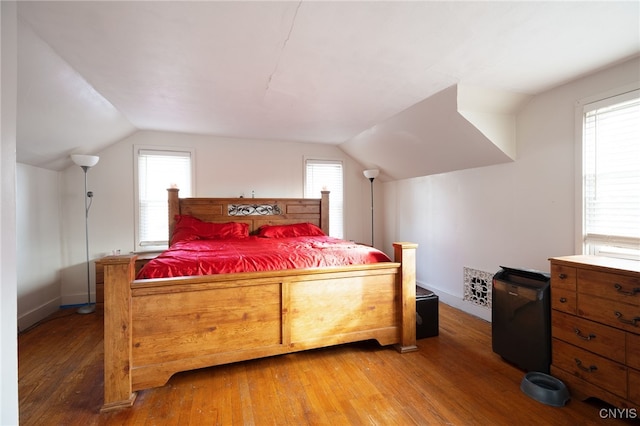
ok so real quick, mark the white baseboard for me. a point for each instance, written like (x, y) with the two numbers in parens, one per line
(31, 317)
(458, 303)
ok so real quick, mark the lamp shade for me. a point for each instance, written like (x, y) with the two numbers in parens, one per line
(371, 174)
(85, 160)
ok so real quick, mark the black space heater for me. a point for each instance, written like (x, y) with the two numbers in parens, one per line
(521, 318)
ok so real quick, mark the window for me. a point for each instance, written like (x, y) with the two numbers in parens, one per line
(157, 170)
(611, 176)
(327, 175)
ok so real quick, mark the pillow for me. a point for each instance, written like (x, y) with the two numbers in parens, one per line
(293, 230)
(189, 228)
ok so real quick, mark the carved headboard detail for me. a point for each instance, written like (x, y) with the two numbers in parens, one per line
(253, 211)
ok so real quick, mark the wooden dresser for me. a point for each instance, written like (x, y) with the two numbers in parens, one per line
(595, 328)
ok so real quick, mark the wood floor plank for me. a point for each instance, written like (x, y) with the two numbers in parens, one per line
(288, 384)
(453, 378)
(201, 412)
(265, 404)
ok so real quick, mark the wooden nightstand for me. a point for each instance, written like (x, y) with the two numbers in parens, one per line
(142, 259)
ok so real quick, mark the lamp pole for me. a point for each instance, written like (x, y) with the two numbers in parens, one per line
(86, 162)
(88, 308)
(371, 181)
(371, 174)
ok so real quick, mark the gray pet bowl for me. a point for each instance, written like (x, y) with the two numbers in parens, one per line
(545, 388)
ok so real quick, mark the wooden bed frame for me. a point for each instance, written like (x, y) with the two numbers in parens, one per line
(155, 328)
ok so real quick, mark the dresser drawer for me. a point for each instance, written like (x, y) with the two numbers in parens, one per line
(563, 277)
(633, 350)
(634, 386)
(620, 288)
(99, 283)
(99, 293)
(99, 273)
(600, 339)
(610, 312)
(595, 369)
(564, 300)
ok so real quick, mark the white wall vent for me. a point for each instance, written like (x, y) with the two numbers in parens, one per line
(477, 287)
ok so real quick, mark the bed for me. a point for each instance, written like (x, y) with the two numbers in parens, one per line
(157, 327)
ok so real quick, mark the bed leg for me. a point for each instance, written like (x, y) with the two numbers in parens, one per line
(405, 253)
(119, 271)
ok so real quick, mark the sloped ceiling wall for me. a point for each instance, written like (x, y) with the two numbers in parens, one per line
(60, 113)
(458, 128)
(353, 74)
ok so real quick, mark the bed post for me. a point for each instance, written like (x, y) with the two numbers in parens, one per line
(119, 271)
(174, 209)
(324, 212)
(405, 253)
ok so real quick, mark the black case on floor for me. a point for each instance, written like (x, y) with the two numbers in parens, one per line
(426, 315)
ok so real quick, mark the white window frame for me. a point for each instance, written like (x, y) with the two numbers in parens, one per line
(621, 247)
(336, 198)
(156, 245)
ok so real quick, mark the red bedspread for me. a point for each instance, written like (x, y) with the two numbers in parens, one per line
(205, 257)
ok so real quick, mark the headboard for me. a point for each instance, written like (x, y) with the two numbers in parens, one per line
(253, 211)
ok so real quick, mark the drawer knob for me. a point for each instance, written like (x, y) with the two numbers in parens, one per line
(563, 300)
(582, 336)
(589, 369)
(632, 321)
(620, 290)
(562, 276)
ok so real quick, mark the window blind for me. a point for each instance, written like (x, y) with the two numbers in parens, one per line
(157, 171)
(612, 173)
(327, 175)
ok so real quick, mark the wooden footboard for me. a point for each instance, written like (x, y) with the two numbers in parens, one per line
(156, 328)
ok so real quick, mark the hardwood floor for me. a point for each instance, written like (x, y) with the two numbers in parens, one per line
(453, 379)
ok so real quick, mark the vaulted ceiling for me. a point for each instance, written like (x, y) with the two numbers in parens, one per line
(371, 77)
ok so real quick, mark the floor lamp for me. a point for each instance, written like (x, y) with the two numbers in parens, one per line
(86, 162)
(371, 175)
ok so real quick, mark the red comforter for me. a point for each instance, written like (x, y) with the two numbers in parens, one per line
(205, 257)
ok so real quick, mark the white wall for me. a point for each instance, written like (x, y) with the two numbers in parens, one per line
(224, 167)
(517, 214)
(8, 305)
(39, 249)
